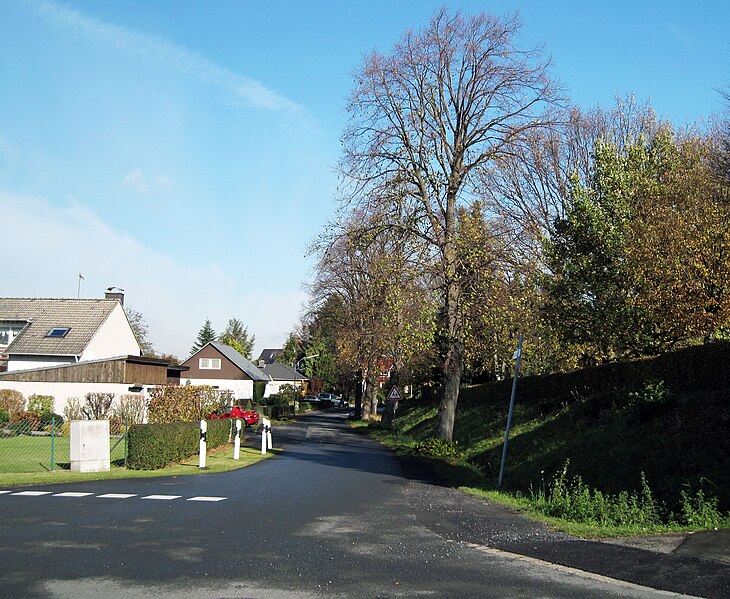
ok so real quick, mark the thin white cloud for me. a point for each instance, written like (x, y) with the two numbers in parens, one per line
(681, 35)
(135, 180)
(166, 52)
(51, 245)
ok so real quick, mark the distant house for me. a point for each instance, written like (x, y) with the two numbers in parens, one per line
(43, 332)
(221, 366)
(281, 374)
(269, 356)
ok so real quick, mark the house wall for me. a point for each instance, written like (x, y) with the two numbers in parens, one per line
(61, 392)
(28, 362)
(272, 387)
(114, 338)
(241, 389)
(228, 371)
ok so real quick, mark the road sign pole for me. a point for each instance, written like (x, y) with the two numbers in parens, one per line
(518, 355)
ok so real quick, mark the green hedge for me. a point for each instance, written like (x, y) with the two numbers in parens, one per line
(698, 368)
(154, 446)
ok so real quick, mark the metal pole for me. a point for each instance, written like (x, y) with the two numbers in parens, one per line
(126, 439)
(518, 355)
(53, 447)
(203, 443)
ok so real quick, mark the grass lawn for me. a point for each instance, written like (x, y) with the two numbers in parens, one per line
(26, 460)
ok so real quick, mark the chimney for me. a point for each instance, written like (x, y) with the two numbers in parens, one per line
(115, 293)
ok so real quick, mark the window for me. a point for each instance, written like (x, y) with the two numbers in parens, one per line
(209, 363)
(9, 330)
(58, 332)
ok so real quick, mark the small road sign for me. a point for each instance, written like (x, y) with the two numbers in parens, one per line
(394, 394)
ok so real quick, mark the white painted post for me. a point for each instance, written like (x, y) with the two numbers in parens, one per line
(268, 433)
(237, 442)
(203, 443)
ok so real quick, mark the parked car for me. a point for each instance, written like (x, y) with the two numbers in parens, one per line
(336, 400)
(249, 417)
(310, 397)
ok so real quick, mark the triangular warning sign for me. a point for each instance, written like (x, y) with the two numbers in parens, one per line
(394, 394)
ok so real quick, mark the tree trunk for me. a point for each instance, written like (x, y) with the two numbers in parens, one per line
(358, 394)
(449, 395)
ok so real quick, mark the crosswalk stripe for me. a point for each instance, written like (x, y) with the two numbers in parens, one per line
(162, 497)
(117, 495)
(32, 493)
(203, 498)
(71, 494)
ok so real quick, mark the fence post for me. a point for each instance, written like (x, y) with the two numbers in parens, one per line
(237, 442)
(53, 445)
(203, 443)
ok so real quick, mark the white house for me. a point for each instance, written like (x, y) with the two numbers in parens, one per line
(43, 332)
(279, 375)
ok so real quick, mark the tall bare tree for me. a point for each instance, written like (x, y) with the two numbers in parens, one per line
(446, 101)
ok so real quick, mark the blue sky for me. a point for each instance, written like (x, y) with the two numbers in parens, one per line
(185, 150)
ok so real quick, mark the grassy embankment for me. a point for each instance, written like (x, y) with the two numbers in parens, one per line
(601, 461)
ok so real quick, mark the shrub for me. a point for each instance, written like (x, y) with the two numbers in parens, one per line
(440, 448)
(131, 408)
(48, 418)
(98, 405)
(4, 416)
(154, 446)
(11, 401)
(187, 403)
(25, 422)
(40, 404)
(73, 410)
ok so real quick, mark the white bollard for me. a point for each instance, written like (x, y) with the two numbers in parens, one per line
(237, 442)
(203, 443)
(263, 437)
(268, 434)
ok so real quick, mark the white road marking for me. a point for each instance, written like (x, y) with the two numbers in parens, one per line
(203, 498)
(71, 494)
(32, 493)
(162, 497)
(117, 495)
(3, 492)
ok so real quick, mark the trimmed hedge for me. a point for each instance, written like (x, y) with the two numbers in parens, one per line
(698, 368)
(154, 446)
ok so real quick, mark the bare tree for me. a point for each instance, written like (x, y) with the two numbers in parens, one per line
(446, 101)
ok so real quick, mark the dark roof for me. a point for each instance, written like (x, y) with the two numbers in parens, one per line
(282, 372)
(270, 355)
(245, 365)
(82, 317)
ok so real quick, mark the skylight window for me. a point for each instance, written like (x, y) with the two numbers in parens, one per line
(58, 332)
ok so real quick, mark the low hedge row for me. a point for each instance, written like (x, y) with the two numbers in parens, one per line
(703, 367)
(154, 446)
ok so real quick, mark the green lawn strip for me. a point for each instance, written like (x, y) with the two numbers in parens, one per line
(218, 460)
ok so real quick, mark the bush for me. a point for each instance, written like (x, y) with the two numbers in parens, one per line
(98, 405)
(131, 408)
(73, 410)
(48, 418)
(11, 401)
(440, 448)
(40, 404)
(154, 446)
(187, 403)
(24, 423)
(4, 416)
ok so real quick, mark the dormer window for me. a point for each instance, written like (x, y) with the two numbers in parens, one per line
(58, 332)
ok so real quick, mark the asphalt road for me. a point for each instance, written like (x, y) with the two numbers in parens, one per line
(335, 515)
